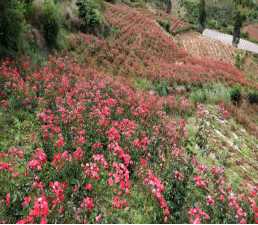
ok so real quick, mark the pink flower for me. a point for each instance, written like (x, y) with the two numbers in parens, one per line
(110, 181)
(242, 221)
(166, 219)
(43, 221)
(98, 217)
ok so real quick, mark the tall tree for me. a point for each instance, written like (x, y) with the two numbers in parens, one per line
(202, 15)
(237, 27)
(169, 5)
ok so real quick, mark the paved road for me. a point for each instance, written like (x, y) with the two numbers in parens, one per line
(226, 38)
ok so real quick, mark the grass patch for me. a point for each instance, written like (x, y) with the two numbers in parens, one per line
(211, 94)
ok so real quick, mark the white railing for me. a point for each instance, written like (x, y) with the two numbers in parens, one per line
(226, 38)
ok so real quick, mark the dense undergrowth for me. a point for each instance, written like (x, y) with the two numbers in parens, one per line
(93, 148)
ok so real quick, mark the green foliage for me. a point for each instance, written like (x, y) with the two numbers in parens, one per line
(165, 24)
(136, 3)
(12, 24)
(202, 15)
(88, 12)
(239, 63)
(213, 94)
(253, 97)
(176, 191)
(29, 9)
(245, 34)
(142, 84)
(51, 23)
(161, 88)
(237, 28)
(235, 93)
(102, 5)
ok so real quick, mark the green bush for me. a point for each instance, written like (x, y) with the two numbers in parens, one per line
(239, 63)
(88, 12)
(29, 9)
(102, 5)
(165, 24)
(51, 24)
(12, 24)
(235, 93)
(245, 34)
(161, 88)
(253, 97)
(142, 84)
(254, 14)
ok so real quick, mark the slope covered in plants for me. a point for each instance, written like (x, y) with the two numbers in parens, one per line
(92, 148)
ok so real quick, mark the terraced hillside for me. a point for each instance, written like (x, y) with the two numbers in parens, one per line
(207, 48)
(160, 58)
(175, 24)
(91, 146)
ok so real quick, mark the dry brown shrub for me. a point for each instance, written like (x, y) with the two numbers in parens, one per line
(39, 38)
(242, 118)
(72, 19)
(39, 18)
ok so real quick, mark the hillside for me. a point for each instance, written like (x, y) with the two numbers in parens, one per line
(124, 125)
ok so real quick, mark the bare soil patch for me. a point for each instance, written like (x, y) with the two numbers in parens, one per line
(253, 31)
(206, 48)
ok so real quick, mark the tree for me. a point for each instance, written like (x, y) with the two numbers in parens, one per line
(202, 15)
(237, 27)
(12, 23)
(169, 5)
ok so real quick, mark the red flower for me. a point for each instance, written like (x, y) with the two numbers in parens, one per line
(88, 187)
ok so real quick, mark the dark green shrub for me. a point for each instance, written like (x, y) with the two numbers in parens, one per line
(245, 34)
(253, 97)
(255, 55)
(235, 93)
(88, 12)
(12, 24)
(254, 14)
(29, 9)
(51, 25)
(224, 24)
(111, 1)
(165, 24)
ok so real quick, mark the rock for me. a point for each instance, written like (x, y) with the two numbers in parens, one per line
(180, 90)
(152, 92)
(235, 136)
(171, 90)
